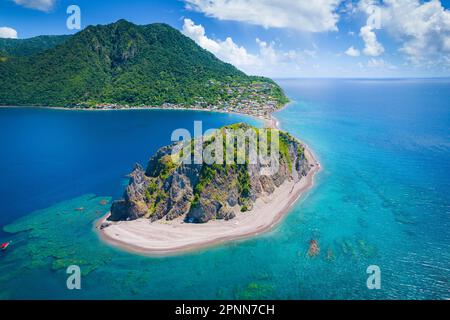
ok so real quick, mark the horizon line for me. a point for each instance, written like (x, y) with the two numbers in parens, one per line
(362, 78)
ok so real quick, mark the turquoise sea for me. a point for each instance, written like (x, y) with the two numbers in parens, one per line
(381, 199)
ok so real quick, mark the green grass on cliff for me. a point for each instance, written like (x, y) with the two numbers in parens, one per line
(284, 150)
(159, 169)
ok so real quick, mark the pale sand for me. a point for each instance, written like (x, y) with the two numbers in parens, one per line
(172, 237)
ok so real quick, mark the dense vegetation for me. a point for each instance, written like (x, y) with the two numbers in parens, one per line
(172, 186)
(29, 47)
(120, 63)
(208, 173)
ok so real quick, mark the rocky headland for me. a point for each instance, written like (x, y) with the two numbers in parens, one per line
(170, 207)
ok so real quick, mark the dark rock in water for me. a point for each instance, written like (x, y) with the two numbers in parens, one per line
(104, 225)
(314, 248)
(200, 192)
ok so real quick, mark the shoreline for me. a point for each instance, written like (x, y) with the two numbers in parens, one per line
(168, 238)
(267, 121)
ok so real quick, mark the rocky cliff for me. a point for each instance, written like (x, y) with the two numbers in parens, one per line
(200, 192)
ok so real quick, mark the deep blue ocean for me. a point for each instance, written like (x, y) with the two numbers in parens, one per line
(381, 199)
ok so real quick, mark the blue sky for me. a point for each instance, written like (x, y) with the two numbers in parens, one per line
(277, 38)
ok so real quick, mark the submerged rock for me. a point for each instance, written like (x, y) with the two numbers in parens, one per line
(41, 239)
(314, 248)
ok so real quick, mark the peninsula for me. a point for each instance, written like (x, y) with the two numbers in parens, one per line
(169, 208)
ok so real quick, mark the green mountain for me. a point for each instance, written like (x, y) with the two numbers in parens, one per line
(126, 64)
(29, 47)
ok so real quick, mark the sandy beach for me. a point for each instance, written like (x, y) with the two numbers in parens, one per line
(173, 237)
(164, 237)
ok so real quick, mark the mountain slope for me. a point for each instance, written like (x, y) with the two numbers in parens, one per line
(31, 46)
(123, 63)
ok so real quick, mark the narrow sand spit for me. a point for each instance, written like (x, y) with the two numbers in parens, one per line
(172, 237)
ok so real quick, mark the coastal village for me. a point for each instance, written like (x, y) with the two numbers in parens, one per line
(254, 99)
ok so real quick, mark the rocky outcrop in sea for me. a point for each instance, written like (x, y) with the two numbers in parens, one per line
(199, 193)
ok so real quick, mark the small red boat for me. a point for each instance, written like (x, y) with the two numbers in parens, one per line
(5, 245)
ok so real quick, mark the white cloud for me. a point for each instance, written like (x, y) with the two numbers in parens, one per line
(376, 63)
(225, 50)
(352, 52)
(6, 32)
(268, 61)
(310, 16)
(380, 64)
(371, 45)
(42, 5)
(423, 29)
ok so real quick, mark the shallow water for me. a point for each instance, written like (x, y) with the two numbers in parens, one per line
(381, 198)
